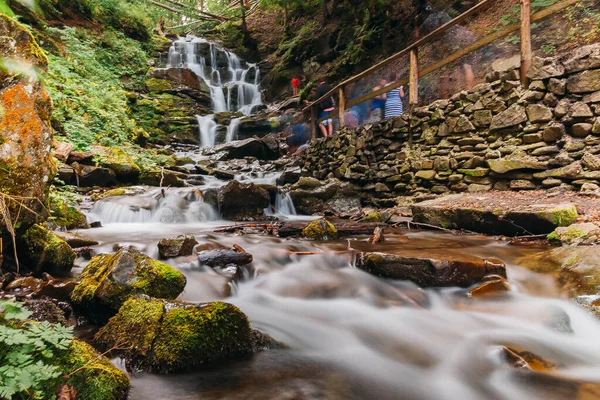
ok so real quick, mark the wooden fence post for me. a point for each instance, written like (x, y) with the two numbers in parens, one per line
(525, 39)
(413, 96)
(313, 121)
(341, 106)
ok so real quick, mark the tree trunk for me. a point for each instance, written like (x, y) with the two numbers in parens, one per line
(325, 12)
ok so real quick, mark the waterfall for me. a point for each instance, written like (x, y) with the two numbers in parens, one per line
(234, 84)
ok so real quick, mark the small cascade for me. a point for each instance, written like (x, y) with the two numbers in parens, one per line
(208, 130)
(173, 206)
(284, 204)
(233, 129)
(234, 84)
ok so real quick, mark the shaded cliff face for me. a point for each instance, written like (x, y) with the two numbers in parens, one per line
(26, 164)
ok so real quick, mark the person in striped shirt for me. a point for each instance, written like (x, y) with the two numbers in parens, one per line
(393, 101)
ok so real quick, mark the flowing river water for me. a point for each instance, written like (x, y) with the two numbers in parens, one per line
(352, 335)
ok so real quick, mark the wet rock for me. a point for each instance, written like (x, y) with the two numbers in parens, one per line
(42, 251)
(242, 201)
(163, 178)
(164, 336)
(62, 150)
(493, 285)
(224, 257)
(182, 245)
(513, 116)
(311, 196)
(117, 160)
(578, 267)
(583, 233)
(484, 217)
(81, 157)
(89, 175)
(449, 270)
(76, 240)
(320, 229)
(251, 147)
(26, 164)
(504, 165)
(179, 80)
(110, 279)
(584, 82)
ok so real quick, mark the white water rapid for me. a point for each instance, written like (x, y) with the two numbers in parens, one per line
(234, 84)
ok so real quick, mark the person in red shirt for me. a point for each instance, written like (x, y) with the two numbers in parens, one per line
(296, 86)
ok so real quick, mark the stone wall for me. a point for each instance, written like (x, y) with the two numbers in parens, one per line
(497, 136)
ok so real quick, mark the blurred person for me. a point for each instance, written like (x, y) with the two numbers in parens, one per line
(378, 109)
(393, 102)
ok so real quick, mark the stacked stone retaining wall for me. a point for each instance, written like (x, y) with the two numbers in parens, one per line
(497, 136)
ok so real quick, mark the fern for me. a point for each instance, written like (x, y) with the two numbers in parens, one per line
(26, 352)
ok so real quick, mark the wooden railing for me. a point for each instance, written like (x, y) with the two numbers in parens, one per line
(413, 51)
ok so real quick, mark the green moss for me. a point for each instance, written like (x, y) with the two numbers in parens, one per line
(567, 237)
(561, 216)
(45, 252)
(155, 85)
(320, 230)
(93, 375)
(168, 336)
(373, 217)
(477, 172)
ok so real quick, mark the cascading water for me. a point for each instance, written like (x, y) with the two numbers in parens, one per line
(172, 206)
(234, 84)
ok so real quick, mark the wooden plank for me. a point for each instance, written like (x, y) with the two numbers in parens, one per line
(313, 121)
(425, 39)
(525, 40)
(413, 95)
(341, 107)
(495, 36)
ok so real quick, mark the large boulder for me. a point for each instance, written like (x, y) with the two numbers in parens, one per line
(496, 215)
(451, 269)
(312, 196)
(42, 251)
(111, 279)
(241, 201)
(165, 336)
(251, 147)
(26, 164)
(182, 245)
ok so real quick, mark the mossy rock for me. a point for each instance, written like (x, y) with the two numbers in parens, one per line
(109, 280)
(320, 230)
(165, 336)
(64, 215)
(374, 217)
(155, 85)
(563, 215)
(42, 251)
(584, 233)
(117, 159)
(94, 377)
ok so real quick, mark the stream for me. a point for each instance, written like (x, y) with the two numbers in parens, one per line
(354, 336)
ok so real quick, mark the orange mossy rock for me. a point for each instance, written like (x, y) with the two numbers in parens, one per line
(26, 164)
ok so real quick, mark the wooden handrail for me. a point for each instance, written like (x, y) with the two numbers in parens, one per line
(425, 39)
(437, 65)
